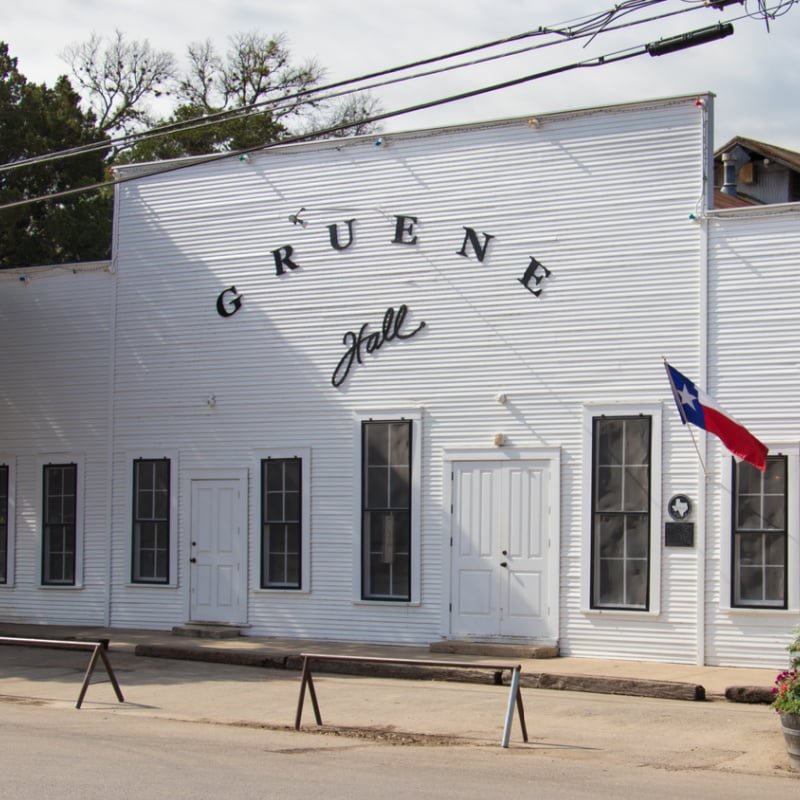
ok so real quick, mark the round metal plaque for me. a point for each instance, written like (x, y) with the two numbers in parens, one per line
(679, 507)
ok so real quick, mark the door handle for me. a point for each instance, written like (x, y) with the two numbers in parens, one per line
(504, 563)
(193, 560)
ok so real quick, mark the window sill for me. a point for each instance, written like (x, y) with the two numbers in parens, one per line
(389, 603)
(132, 585)
(59, 588)
(759, 612)
(264, 590)
(620, 613)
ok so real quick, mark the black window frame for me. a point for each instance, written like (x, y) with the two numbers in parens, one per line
(595, 588)
(737, 533)
(4, 490)
(269, 519)
(137, 550)
(69, 528)
(396, 511)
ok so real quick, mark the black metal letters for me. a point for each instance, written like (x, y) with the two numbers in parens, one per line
(333, 231)
(404, 225)
(359, 343)
(472, 238)
(228, 310)
(533, 273)
(283, 256)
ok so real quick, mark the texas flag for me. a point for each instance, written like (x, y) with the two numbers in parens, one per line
(695, 406)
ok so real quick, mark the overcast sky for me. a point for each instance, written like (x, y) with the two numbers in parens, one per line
(754, 73)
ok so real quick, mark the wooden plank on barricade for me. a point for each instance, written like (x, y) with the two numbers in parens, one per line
(514, 695)
(98, 650)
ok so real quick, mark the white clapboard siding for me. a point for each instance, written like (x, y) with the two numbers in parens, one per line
(601, 198)
(755, 377)
(56, 362)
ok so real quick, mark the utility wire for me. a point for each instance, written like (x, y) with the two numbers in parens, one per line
(584, 27)
(596, 61)
(778, 10)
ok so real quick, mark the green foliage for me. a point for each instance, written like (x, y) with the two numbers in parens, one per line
(256, 70)
(35, 120)
(204, 138)
(786, 692)
(118, 78)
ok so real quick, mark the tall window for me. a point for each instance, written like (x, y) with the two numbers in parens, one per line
(759, 534)
(151, 522)
(3, 524)
(59, 524)
(621, 512)
(281, 523)
(386, 510)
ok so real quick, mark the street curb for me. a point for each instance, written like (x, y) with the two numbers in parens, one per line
(750, 694)
(603, 684)
(636, 687)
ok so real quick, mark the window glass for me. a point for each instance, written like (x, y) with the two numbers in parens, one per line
(759, 535)
(3, 524)
(151, 520)
(281, 523)
(621, 512)
(59, 524)
(386, 510)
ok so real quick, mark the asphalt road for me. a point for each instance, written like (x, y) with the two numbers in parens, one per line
(56, 752)
(198, 730)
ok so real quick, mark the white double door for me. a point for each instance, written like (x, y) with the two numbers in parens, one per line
(502, 519)
(218, 550)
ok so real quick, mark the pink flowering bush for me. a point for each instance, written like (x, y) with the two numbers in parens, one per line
(786, 692)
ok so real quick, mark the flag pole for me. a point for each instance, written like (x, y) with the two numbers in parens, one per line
(694, 442)
(683, 415)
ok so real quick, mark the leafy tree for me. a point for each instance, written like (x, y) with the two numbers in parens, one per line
(36, 120)
(252, 96)
(255, 71)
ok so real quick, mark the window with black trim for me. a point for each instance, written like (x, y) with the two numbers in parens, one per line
(59, 528)
(621, 466)
(151, 520)
(281, 523)
(760, 538)
(386, 510)
(3, 524)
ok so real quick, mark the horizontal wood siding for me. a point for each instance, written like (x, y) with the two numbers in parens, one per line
(55, 363)
(754, 377)
(601, 199)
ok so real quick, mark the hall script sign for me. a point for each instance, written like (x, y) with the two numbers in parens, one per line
(362, 342)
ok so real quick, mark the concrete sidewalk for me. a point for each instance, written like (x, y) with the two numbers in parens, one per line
(646, 679)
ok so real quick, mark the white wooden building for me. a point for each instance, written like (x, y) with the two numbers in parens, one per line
(410, 389)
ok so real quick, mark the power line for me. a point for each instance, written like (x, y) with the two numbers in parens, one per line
(583, 27)
(688, 40)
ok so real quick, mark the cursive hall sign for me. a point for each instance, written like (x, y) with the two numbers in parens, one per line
(363, 341)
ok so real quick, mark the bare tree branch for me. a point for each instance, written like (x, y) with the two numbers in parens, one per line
(119, 77)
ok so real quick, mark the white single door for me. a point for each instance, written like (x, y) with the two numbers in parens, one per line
(500, 530)
(218, 561)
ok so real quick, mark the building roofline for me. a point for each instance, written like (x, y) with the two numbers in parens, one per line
(155, 167)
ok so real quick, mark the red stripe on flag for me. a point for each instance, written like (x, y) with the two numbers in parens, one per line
(735, 437)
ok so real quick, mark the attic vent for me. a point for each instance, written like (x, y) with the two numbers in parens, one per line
(729, 174)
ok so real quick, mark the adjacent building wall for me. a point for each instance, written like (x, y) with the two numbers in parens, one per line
(754, 375)
(56, 362)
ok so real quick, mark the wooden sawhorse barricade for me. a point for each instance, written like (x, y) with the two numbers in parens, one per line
(514, 694)
(98, 653)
